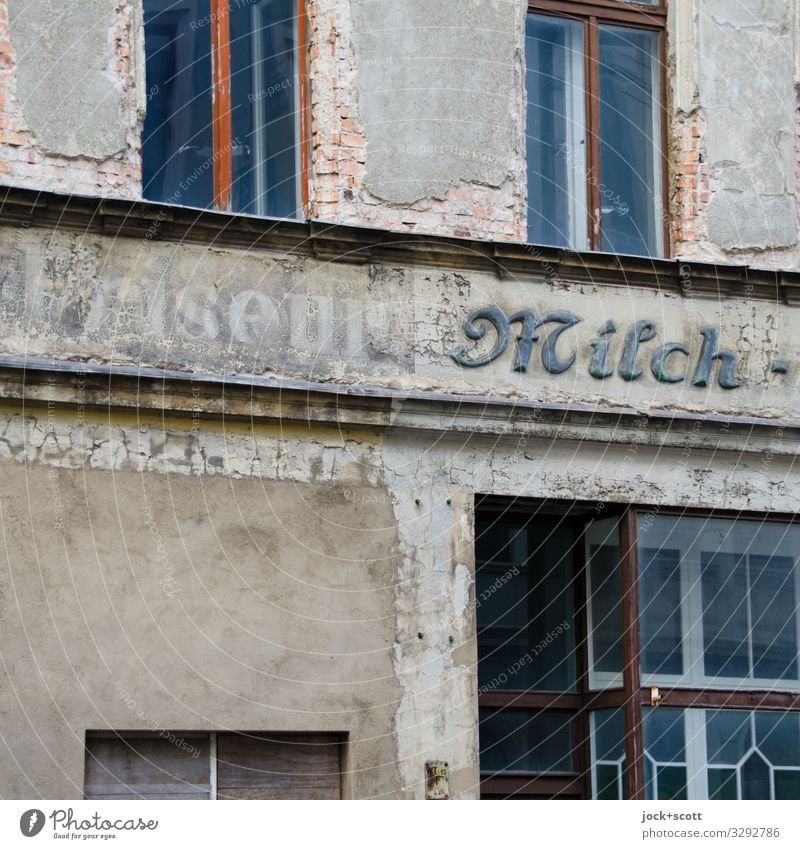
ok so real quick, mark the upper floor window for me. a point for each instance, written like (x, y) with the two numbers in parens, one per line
(224, 101)
(595, 125)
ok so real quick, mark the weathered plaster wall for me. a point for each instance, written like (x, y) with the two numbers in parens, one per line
(256, 312)
(418, 115)
(70, 101)
(418, 119)
(182, 574)
(735, 139)
(239, 583)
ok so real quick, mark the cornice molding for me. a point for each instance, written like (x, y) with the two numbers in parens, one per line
(359, 245)
(50, 384)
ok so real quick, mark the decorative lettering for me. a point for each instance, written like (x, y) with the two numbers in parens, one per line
(496, 318)
(663, 361)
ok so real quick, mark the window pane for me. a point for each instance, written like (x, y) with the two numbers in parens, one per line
(525, 606)
(177, 142)
(774, 624)
(787, 784)
(755, 778)
(660, 607)
(630, 127)
(608, 753)
(671, 782)
(605, 615)
(609, 734)
(722, 784)
(665, 753)
(664, 735)
(725, 629)
(556, 145)
(607, 782)
(728, 736)
(778, 737)
(523, 741)
(750, 759)
(729, 602)
(265, 104)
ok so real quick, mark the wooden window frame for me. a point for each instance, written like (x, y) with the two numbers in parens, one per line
(633, 697)
(592, 13)
(222, 107)
(576, 783)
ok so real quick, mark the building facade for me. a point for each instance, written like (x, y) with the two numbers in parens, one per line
(399, 400)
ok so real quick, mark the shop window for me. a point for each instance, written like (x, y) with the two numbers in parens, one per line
(637, 654)
(225, 98)
(719, 603)
(595, 124)
(130, 765)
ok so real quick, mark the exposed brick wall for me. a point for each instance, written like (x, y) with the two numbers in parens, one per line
(693, 184)
(690, 186)
(338, 145)
(23, 161)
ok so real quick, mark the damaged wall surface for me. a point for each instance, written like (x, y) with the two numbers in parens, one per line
(418, 116)
(399, 327)
(209, 528)
(736, 140)
(69, 99)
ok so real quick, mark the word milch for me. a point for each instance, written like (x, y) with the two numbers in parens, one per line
(664, 360)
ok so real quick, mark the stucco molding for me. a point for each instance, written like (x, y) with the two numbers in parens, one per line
(34, 383)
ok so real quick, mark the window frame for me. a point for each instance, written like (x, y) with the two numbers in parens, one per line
(575, 784)
(592, 14)
(634, 696)
(221, 109)
(211, 758)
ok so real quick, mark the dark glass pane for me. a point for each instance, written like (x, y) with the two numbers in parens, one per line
(671, 782)
(649, 780)
(728, 736)
(500, 544)
(722, 784)
(556, 148)
(607, 777)
(724, 592)
(608, 731)
(606, 614)
(755, 778)
(778, 737)
(525, 607)
(773, 614)
(787, 784)
(265, 103)
(523, 741)
(664, 736)
(177, 142)
(630, 128)
(660, 611)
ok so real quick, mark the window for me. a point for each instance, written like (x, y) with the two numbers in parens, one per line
(637, 653)
(225, 102)
(131, 765)
(595, 125)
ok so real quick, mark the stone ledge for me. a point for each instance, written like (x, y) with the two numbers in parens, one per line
(88, 386)
(359, 245)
